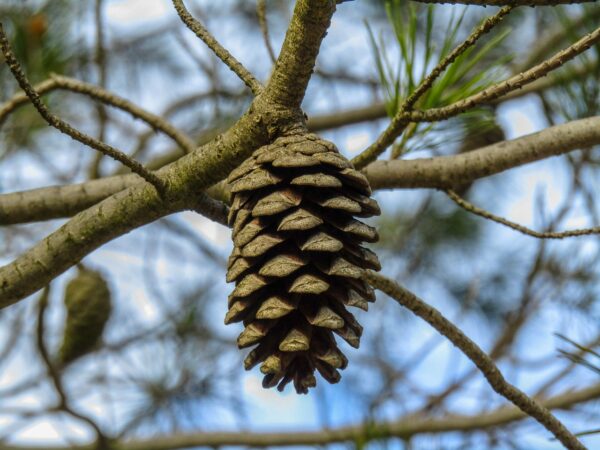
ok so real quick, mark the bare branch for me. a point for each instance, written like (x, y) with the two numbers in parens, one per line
(56, 202)
(96, 92)
(222, 53)
(402, 428)
(261, 12)
(67, 129)
(483, 362)
(467, 206)
(100, 61)
(440, 172)
(449, 171)
(557, 37)
(55, 375)
(513, 83)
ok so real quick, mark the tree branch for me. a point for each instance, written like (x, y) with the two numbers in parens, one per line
(559, 35)
(491, 93)
(296, 60)
(449, 171)
(222, 53)
(483, 362)
(56, 82)
(440, 172)
(511, 84)
(261, 12)
(469, 207)
(138, 205)
(399, 122)
(377, 110)
(58, 202)
(404, 428)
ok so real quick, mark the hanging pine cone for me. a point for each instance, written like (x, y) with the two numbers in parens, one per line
(297, 262)
(88, 303)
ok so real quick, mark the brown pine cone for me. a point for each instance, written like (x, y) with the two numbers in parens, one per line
(297, 260)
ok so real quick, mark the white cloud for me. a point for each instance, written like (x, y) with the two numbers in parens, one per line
(128, 11)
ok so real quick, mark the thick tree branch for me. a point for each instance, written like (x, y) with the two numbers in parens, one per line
(136, 206)
(56, 202)
(483, 362)
(184, 180)
(440, 172)
(449, 171)
(297, 57)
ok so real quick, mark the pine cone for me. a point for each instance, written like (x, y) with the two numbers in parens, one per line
(297, 262)
(88, 303)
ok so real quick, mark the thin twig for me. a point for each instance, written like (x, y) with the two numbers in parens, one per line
(222, 53)
(63, 404)
(467, 206)
(377, 110)
(261, 12)
(100, 60)
(557, 36)
(475, 35)
(399, 122)
(67, 129)
(564, 371)
(483, 362)
(56, 82)
(511, 84)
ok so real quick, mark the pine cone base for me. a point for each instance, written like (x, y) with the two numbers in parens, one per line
(297, 261)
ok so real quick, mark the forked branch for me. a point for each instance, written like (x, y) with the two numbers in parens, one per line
(487, 95)
(400, 121)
